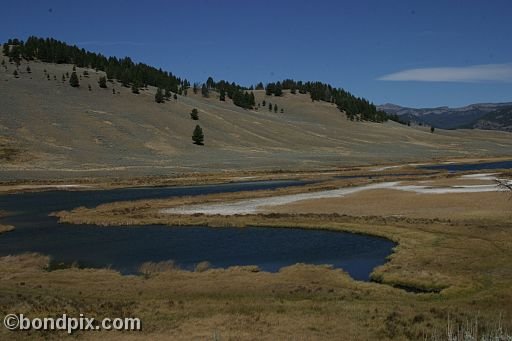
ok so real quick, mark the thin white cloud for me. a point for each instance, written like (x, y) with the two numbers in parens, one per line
(466, 74)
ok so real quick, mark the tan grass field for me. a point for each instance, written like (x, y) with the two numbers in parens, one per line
(458, 247)
(49, 130)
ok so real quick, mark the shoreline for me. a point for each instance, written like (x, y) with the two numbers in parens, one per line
(226, 176)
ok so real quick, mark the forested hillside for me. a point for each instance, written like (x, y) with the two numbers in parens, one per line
(139, 75)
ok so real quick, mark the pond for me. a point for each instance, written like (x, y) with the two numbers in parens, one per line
(126, 248)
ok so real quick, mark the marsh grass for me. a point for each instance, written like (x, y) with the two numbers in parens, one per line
(202, 266)
(466, 264)
(151, 268)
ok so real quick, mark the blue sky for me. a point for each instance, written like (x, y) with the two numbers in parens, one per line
(412, 53)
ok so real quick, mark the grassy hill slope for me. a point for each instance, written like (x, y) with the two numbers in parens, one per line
(46, 125)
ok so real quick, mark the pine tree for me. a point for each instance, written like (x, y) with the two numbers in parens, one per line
(48, 76)
(102, 82)
(204, 90)
(167, 94)
(269, 106)
(90, 88)
(159, 96)
(264, 103)
(222, 95)
(282, 110)
(15, 74)
(175, 97)
(275, 108)
(210, 83)
(63, 78)
(28, 69)
(194, 114)
(278, 89)
(113, 91)
(73, 80)
(198, 136)
(432, 129)
(135, 88)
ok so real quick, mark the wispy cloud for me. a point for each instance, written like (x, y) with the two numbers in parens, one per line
(466, 74)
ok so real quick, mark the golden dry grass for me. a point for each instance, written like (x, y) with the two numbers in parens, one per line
(301, 301)
(466, 260)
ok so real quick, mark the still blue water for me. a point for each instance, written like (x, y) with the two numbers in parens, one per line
(126, 248)
(460, 167)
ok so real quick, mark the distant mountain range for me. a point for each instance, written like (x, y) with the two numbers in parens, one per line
(491, 116)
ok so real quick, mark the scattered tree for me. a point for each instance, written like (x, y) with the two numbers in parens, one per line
(204, 90)
(269, 90)
(194, 114)
(135, 88)
(278, 89)
(124, 69)
(73, 80)
(159, 96)
(244, 99)
(102, 82)
(198, 136)
(210, 83)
